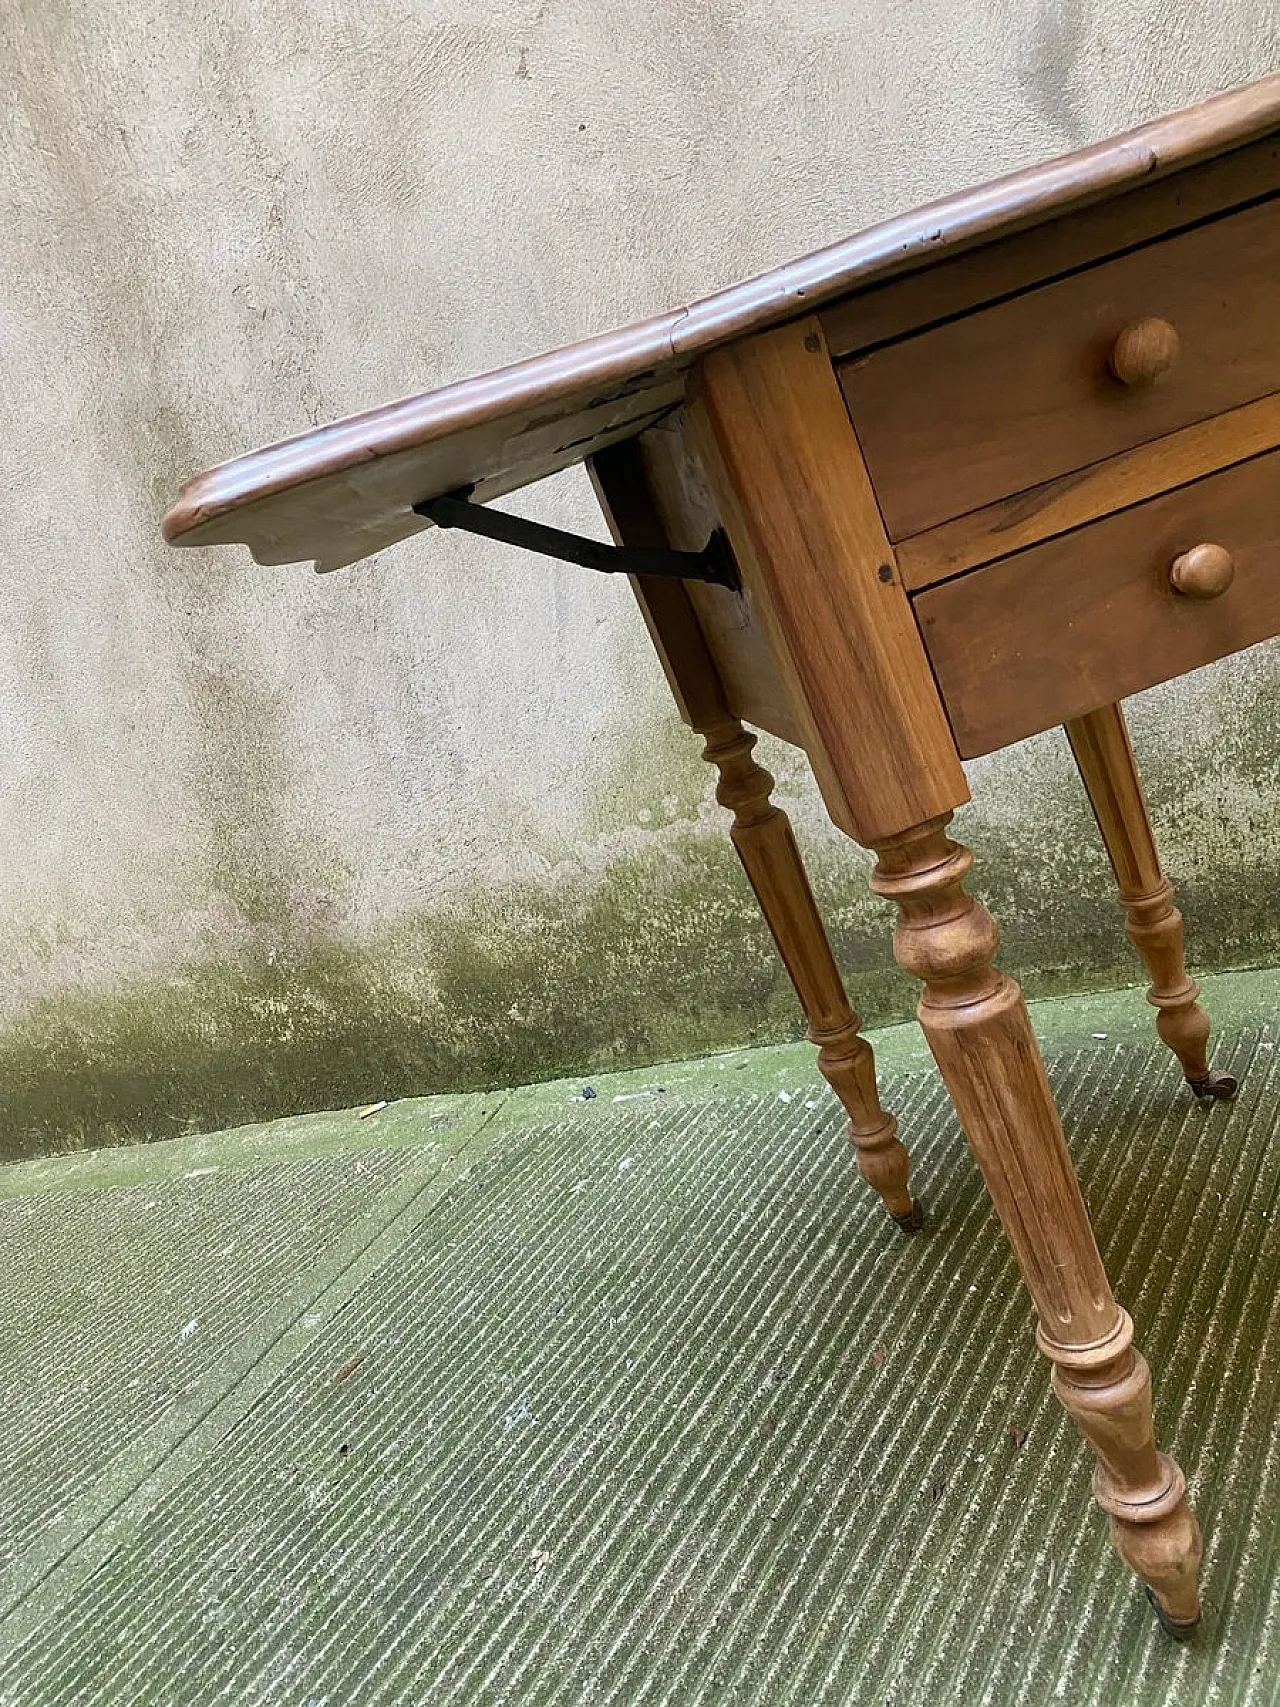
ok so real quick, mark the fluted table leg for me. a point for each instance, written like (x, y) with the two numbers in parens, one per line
(977, 1026)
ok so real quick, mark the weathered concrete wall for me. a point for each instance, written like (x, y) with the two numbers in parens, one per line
(270, 841)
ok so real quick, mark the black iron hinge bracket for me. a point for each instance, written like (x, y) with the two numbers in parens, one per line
(713, 563)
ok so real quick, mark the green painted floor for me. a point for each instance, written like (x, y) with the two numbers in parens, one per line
(636, 1398)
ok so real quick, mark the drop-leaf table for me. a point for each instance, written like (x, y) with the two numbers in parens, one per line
(986, 468)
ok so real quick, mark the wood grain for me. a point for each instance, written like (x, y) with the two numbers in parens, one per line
(1065, 627)
(766, 845)
(1104, 756)
(1013, 263)
(1060, 505)
(1205, 571)
(730, 624)
(619, 477)
(1023, 392)
(345, 490)
(761, 833)
(977, 1026)
(775, 440)
(1145, 351)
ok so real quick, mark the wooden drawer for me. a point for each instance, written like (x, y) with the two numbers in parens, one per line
(1087, 618)
(1022, 392)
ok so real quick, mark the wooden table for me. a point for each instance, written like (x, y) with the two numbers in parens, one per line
(986, 468)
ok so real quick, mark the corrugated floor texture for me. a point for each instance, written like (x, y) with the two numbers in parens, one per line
(111, 1311)
(643, 1404)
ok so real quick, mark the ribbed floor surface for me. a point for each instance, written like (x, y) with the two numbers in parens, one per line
(654, 1406)
(122, 1299)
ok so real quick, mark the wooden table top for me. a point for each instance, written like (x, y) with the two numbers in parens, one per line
(343, 491)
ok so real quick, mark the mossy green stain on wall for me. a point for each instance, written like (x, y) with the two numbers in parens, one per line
(659, 776)
(662, 955)
(665, 957)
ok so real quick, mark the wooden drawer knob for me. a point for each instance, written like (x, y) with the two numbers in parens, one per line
(1144, 352)
(1204, 572)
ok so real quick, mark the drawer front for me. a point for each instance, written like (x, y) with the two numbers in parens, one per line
(1088, 618)
(1025, 391)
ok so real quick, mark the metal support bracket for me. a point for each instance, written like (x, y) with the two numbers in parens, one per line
(713, 563)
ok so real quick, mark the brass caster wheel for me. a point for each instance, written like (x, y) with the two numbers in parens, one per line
(1214, 1087)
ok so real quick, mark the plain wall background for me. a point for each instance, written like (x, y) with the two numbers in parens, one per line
(271, 840)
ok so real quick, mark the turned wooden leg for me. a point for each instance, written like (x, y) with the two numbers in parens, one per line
(978, 1029)
(1100, 742)
(766, 846)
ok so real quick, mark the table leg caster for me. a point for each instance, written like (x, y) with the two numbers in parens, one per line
(1180, 1630)
(1214, 1086)
(913, 1220)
